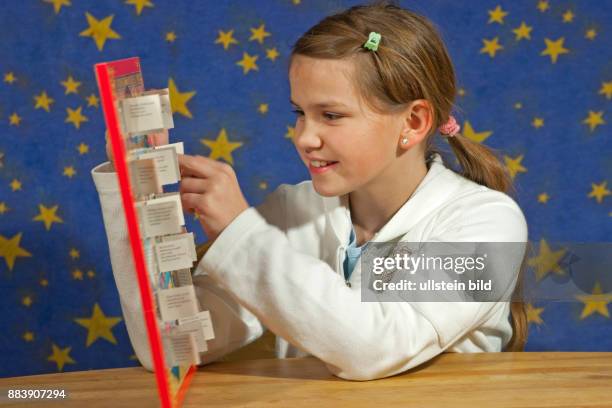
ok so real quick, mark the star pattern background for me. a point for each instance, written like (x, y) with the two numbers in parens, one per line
(534, 83)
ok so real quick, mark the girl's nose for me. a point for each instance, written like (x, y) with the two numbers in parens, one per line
(307, 138)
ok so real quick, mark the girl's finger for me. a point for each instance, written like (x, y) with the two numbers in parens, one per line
(197, 166)
(193, 185)
(190, 201)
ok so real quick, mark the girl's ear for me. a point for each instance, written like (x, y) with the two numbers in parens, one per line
(417, 120)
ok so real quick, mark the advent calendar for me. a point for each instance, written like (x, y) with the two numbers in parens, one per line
(162, 249)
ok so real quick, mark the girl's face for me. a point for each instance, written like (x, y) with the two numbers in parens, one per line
(345, 145)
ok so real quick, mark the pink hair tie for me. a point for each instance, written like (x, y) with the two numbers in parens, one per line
(450, 128)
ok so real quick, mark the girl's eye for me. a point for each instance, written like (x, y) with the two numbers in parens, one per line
(332, 116)
(327, 115)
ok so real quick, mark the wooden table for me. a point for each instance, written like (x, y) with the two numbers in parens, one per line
(450, 380)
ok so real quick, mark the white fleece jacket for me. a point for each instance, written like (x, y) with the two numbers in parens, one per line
(280, 266)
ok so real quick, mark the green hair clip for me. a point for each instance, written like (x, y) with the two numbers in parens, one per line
(373, 41)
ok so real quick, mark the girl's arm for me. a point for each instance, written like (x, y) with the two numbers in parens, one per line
(234, 325)
(307, 303)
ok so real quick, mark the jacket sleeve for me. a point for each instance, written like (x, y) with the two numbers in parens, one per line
(234, 325)
(303, 300)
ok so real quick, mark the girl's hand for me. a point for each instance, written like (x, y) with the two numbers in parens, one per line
(210, 189)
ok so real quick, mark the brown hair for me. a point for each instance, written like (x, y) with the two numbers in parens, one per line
(411, 63)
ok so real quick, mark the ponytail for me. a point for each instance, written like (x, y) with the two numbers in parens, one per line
(480, 164)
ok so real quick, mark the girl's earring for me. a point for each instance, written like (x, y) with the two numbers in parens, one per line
(405, 140)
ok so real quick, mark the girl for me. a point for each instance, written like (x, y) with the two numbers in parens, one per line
(370, 87)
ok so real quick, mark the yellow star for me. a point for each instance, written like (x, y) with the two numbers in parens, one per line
(290, 132)
(26, 301)
(226, 38)
(518, 105)
(221, 147)
(92, 100)
(248, 63)
(599, 191)
(74, 253)
(522, 32)
(259, 34)
(547, 261)
(596, 302)
(497, 15)
(57, 4)
(90, 274)
(3, 207)
(543, 5)
(606, 89)
(9, 78)
(69, 171)
(99, 30)
(44, 282)
(554, 49)
(43, 101)
(533, 314)
(568, 16)
(71, 85)
(263, 108)
(139, 4)
(590, 34)
(14, 119)
(77, 274)
(461, 92)
(594, 119)
(75, 117)
(263, 185)
(470, 133)
(272, 54)
(514, 165)
(296, 2)
(171, 36)
(491, 47)
(537, 122)
(543, 198)
(15, 185)
(98, 325)
(60, 356)
(82, 148)
(10, 250)
(28, 336)
(47, 215)
(178, 100)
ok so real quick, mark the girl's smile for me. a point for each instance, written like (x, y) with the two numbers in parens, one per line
(320, 167)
